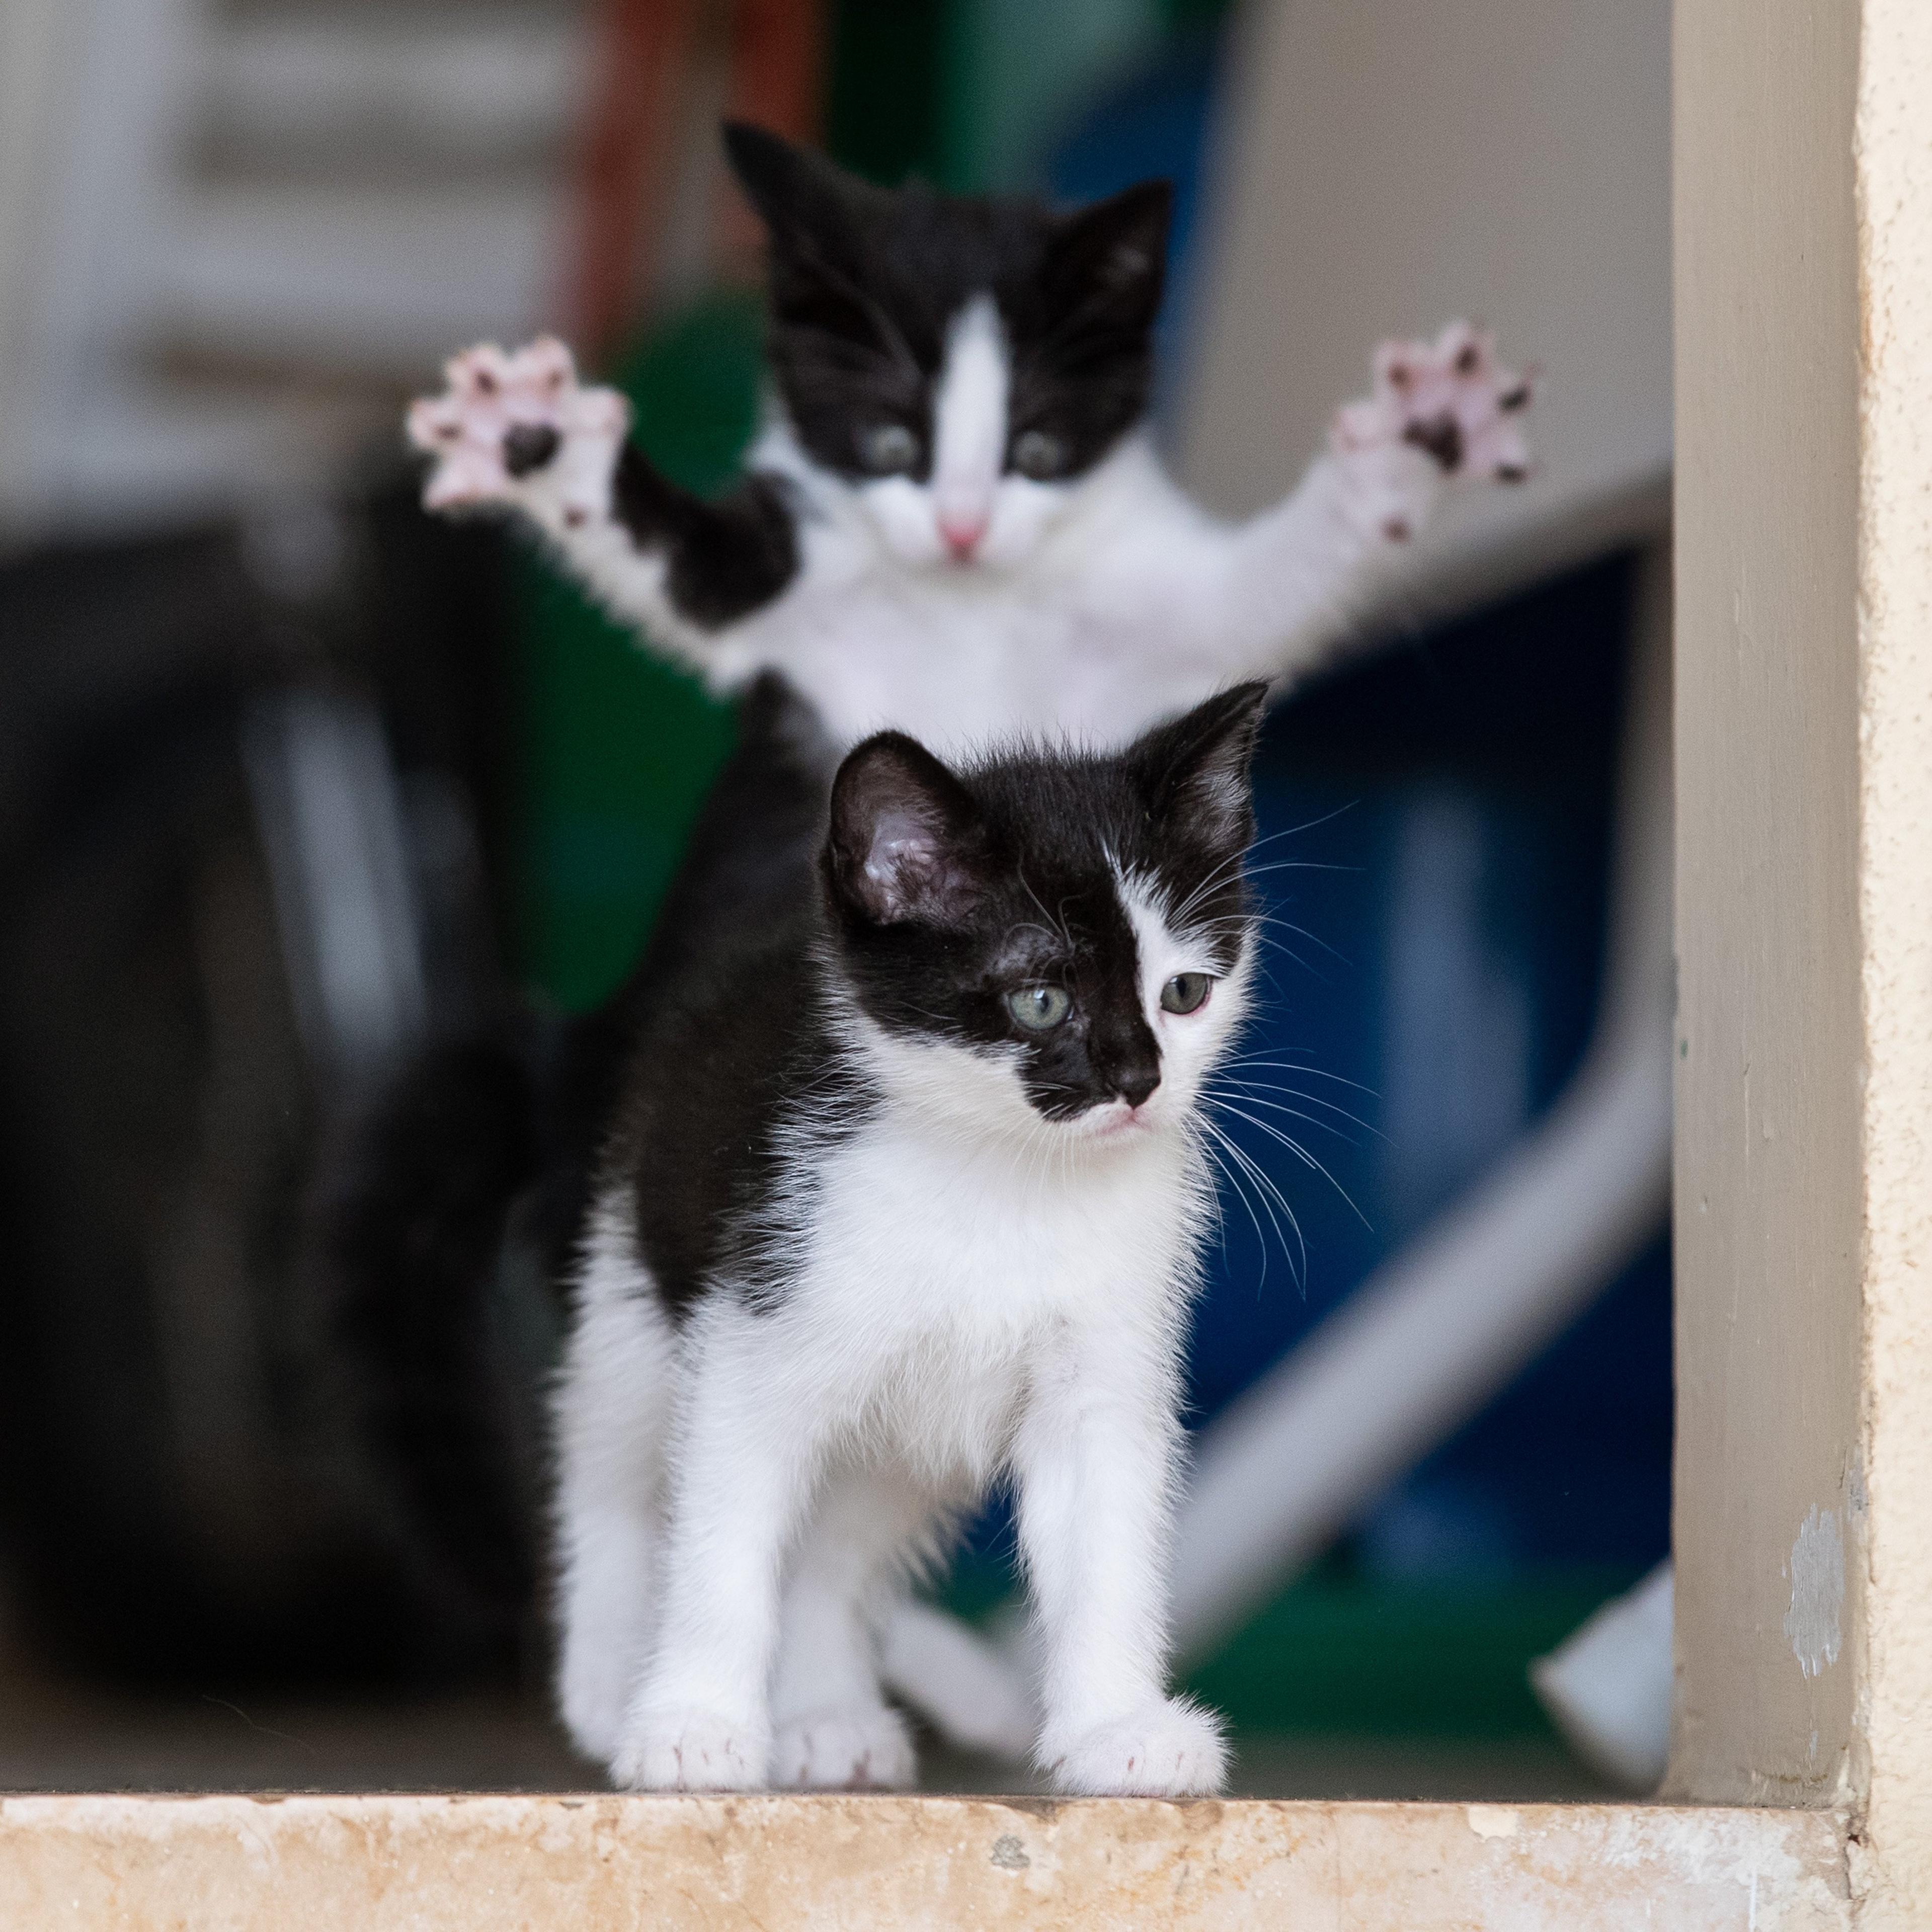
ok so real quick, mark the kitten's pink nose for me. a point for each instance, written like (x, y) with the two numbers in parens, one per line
(963, 534)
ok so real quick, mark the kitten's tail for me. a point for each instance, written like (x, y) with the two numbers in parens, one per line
(410, 1232)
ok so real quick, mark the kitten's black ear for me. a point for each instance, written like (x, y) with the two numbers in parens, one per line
(1114, 255)
(1194, 771)
(906, 841)
(803, 196)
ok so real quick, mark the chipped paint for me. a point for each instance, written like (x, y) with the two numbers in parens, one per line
(1494, 1821)
(1815, 1622)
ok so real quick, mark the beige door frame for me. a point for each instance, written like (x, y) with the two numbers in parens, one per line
(1803, 1521)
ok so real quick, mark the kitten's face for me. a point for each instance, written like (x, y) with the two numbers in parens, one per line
(959, 365)
(1051, 939)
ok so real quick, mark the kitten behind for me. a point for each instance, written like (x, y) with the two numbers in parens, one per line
(901, 1203)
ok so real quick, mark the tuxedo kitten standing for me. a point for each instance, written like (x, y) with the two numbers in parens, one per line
(954, 521)
(902, 1199)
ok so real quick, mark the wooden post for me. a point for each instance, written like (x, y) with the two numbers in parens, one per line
(1804, 1184)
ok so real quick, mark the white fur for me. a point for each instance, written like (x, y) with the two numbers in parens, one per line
(1097, 606)
(974, 1291)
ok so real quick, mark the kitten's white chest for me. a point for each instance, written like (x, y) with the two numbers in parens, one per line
(939, 1285)
(954, 669)
(960, 656)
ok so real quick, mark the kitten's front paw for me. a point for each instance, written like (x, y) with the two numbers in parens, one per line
(1449, 402)
(1172, 1749)
(518, 429)
(593, 1687)
(689, 1751)
(864, 1750)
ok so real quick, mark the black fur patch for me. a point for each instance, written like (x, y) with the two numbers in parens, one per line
(864, 281)
(721, 1067)
(1033, 898)
(728, 557)
(747, 872)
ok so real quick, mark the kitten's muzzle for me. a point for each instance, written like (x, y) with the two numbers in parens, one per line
(1115, 1120)
(964, 532)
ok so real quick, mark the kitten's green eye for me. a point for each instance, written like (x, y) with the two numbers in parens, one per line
(1039, 1009)
(1038, 455)
(887, 449)
(1186, 992)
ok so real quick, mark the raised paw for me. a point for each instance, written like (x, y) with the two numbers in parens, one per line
(1170, 1749)
(518, 428)
(863, 1750)
(1449, 401)
(689, 1750)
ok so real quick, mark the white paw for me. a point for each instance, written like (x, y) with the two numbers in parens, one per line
(1449, 402)
(863, 1750)
(1172, 1749)
(518, 429)
(595, 1685)
(689, 1751)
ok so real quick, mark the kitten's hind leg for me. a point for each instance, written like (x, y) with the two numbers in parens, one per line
(835, 1730)
(612, 1399)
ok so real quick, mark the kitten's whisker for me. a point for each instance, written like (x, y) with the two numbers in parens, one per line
(1300, 1153)
(1232, 1177)
(1301, 1067)
(1253, 1091)
(1270, 1196)
(1249, 1098)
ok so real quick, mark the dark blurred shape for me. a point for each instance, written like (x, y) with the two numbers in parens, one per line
(253, 798)
(884, 117)
(463, 1201)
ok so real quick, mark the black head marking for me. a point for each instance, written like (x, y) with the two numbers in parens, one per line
(864, 282)
(955, 895)
(1108, 263)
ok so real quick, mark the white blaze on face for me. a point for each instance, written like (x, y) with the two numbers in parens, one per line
(1190, 1043)
(970, 426)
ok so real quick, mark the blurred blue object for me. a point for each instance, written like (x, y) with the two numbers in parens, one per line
(1157, 122)
(1435, 876)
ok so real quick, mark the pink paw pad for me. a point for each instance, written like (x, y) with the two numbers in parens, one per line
(1449, 398)
(503, 418)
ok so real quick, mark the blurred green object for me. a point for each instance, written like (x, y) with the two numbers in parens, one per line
(1446, 1658)
(620, 750)
(1019, 75)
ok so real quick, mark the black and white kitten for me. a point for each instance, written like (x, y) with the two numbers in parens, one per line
(954, 521)
(904, 1199)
